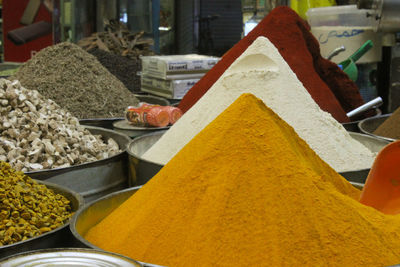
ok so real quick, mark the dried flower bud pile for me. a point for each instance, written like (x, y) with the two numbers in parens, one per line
(37, 134)
(28, 209)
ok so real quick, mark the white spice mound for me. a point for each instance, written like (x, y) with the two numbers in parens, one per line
(262, 71)
(36, 134)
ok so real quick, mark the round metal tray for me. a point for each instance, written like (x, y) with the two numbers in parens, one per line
(59, 237)
(108, 122)
(142, 170)
(368, 126)
(353, 126)
(93, 179)
(124, 127)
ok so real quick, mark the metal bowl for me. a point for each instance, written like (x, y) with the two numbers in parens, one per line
(78, 257)
(93, 179)
(359, 186)
(108, 122)
(142, 170)
(353, 125)
(368, 126)
(59, 237)
(373, 144)
(95, 212)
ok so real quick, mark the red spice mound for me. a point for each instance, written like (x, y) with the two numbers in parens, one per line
(327, 84)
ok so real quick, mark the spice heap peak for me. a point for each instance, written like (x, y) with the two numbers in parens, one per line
(391, 126)
(328, 85)
(247, 191)
(262, 71)
(76, 81)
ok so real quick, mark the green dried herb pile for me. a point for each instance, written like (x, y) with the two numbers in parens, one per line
(28, 209)
(76, 81)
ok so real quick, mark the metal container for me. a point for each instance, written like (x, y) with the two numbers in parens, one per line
(373, 144)
(353, 126)
(68, 257)
(94, 179)
(95, 212)
(358, 185)
(141, 170)
(59, 237)
(368, 126)
(124, 127)
(108, 122)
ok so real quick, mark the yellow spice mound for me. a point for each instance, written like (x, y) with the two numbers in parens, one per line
(247, 191)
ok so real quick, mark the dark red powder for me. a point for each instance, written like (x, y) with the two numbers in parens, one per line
(292, 37)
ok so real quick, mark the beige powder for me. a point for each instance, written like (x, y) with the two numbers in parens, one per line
(262, 71)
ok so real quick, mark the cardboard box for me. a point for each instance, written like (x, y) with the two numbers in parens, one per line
(172, 89)
(172, 67)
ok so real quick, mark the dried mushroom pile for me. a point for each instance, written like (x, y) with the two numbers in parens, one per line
(76, 81)
(118, 40)
(28, 209)
(37, 134)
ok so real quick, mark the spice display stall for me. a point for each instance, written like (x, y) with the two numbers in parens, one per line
(254, 173)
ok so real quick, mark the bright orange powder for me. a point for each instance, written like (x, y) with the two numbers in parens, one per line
(247, 191)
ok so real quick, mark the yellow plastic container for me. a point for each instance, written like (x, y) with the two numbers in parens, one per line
(301, 6)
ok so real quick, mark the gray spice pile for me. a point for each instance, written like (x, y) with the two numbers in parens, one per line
(76, 81)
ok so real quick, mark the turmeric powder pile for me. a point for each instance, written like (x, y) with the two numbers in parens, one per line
(247, 191)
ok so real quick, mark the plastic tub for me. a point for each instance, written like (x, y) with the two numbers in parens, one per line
(344, 25)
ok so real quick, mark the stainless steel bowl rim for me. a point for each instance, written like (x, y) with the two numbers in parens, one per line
(86, 164)
(365, 135)
(137, 139)
(69, 250)
(76, 195)
(357, 185)
(74, 218)
(101, 119)
(360, 123)
(378, 113)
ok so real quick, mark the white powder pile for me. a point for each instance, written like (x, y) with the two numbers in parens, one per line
(262, 71)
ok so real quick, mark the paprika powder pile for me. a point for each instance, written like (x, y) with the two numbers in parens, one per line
(330, 87)
(247, 191)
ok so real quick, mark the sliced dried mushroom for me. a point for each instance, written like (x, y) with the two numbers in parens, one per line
(37, 134)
